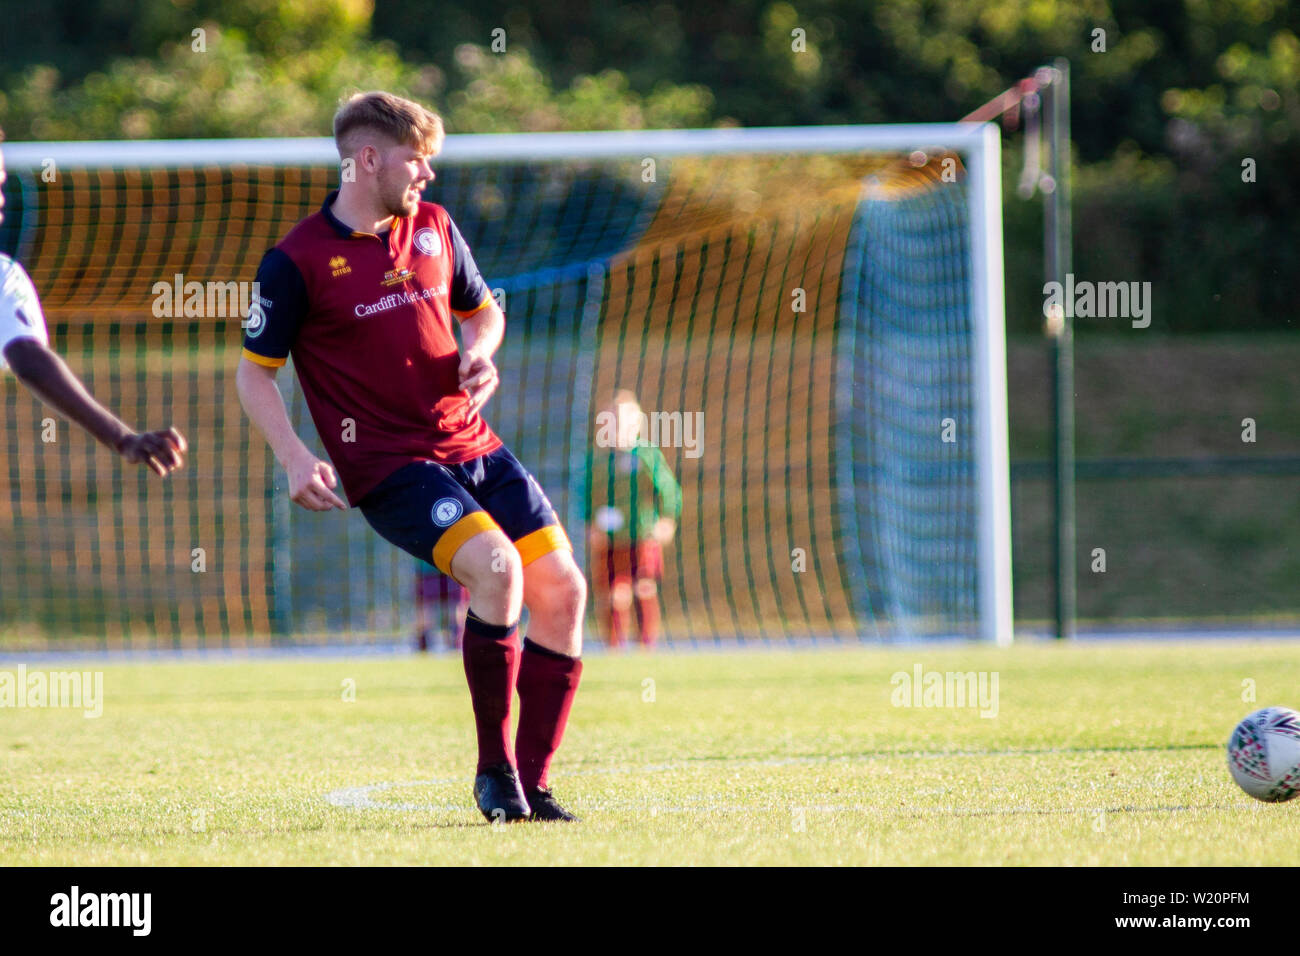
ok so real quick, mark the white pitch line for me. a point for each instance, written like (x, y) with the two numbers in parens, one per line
(359, 798)
(362, 797)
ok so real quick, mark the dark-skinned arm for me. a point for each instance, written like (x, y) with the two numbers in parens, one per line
(49, 378)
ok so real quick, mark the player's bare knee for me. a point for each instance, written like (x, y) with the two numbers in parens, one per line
(569, 592)
(505, 566)
(556, 581)
(489, 567)
(646, 588)
(503, 578)
(578, 582)
(620, 595)
(565, 581)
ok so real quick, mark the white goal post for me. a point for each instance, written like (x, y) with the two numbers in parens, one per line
(977, 143)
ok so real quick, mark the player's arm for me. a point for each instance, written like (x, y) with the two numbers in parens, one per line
(482, 323)
(311, 481)
(668, 498)
(269, 331)
(482, 333)
(25, 348)
(49, 378)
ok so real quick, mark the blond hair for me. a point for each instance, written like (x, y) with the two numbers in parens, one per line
(400, 120)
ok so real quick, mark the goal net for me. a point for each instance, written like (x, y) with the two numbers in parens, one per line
(810, 319)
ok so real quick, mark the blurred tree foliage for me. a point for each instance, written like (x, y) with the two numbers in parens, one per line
(279, 68)
(1170, 99)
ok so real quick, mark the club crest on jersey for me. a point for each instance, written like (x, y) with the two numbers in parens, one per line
(339, 266)
(22, 317)
(447, 511)
(428, 241)
(397, 276)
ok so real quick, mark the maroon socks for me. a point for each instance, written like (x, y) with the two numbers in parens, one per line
(619, 619)
(648, 605)
(547, 684)
(491, 656)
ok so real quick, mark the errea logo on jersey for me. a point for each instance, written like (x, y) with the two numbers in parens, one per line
(339, 266)
(428, 241)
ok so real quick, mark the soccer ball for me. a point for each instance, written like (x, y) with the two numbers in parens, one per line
(1264, 754)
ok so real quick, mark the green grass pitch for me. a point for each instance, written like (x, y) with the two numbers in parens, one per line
(1098, 754)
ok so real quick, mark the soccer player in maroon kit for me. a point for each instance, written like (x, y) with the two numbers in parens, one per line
(362, 294)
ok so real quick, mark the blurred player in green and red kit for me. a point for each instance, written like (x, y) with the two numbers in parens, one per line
(25, 350)
(632, 504)
(440, 608)
(363, 295)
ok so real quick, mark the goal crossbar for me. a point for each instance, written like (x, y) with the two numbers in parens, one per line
(512, 147)
(977, 143)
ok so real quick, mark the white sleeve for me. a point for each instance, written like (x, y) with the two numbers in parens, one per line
(20, 307)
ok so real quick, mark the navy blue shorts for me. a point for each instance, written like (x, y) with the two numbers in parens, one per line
(430, 510)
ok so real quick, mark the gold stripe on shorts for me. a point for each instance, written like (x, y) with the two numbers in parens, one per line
(542, 541)
(476, 522)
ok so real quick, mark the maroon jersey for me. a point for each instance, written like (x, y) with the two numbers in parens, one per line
(368, 321)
